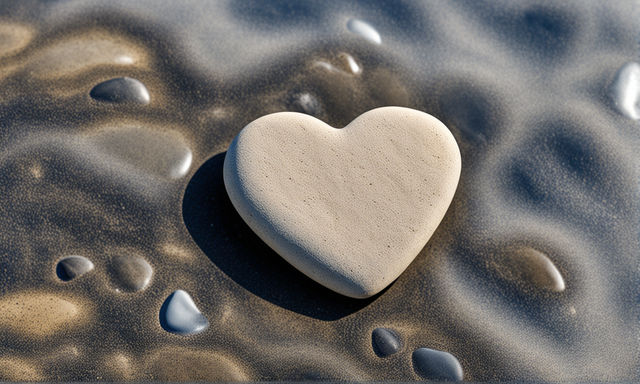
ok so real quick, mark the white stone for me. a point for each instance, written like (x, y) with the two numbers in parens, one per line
(352, 207)
(625, 90)
(180, 315)
(364, 29)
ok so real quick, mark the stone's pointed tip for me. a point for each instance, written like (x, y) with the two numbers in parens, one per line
(180, 315)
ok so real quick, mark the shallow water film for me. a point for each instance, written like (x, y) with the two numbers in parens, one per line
(122, 257)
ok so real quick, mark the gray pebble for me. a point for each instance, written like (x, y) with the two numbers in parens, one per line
(436, 365)
(385, 342)
(121, 90)
(130, 273)
(180, 315)
(73, 266)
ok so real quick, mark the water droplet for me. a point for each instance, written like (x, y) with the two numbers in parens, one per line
(72, 267)
(163, 153)
(364, 29)
(130, 273)
(625, 90)
(180, 315)
(385, 342)
(121, 90)
(436, 365)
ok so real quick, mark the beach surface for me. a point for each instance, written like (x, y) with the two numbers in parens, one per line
(115, 121)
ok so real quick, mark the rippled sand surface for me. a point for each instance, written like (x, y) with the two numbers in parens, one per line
(532, 275)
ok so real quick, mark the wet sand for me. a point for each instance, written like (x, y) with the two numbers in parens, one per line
(532, 91)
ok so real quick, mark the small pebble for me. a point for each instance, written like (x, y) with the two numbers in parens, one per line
(385, 342)
(625, 90)
(121, 90)
(72, 267)
(364, 29)
(180, 315)
(436, 365)
(130, 273)
(529, 267)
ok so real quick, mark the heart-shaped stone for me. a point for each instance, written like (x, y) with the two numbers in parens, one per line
(351, 207)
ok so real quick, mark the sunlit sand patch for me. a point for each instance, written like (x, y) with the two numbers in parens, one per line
(14, 37)
(175, 251)
(182, 364)
(40, 314)
(119, 366)
(80, 53)
(17, 369)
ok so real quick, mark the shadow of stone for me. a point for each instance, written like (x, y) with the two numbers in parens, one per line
(233, 247)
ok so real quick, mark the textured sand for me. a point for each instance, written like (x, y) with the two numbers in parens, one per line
(550, 164)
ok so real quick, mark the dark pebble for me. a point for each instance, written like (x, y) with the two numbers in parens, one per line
(385, 342)
(436, 365)
(121, 90)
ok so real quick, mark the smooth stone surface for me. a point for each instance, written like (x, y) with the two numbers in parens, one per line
(436, 365)
(130, 273)
(73, 266)
(161, 153)
(364, 29)
(121, 90)
(179, 314)
(625, 90)
(531, 267)
(385, 342)
(352, 207)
